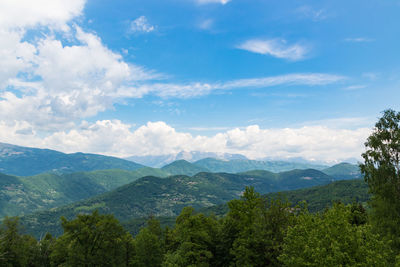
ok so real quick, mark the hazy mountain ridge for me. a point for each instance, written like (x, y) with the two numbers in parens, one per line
(183, 167)
(343, 171)
(26, 161)
(190, 156)
(243, 165)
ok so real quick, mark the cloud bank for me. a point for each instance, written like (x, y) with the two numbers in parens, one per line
(113, 137)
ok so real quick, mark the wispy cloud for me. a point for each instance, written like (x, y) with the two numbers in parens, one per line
(359, 40)
(206, 24)
(199, 89)
(312, 13)
(276, 47)
(354, 87)
(141, 25)
(202, 2)
(342, 123)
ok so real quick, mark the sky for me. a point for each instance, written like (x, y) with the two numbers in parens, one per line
(262, 78)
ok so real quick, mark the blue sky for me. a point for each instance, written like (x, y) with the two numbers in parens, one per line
(275, 79)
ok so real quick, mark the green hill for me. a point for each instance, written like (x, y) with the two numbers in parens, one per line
(243, 165)
(318, 198)
(183, 167)
(25, 161)
(166, 197)
(21, 195)
(343, 171)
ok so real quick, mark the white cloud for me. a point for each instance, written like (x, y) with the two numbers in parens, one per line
(359, 40)
(71, 82)
(113, 137)
(50, 84)
(276, 47)
(27, 14)
(202, 2)
(141, 25)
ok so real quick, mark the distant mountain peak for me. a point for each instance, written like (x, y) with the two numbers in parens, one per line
(158, 161)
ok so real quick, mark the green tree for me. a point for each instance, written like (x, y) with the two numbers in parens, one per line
(195, 239)
(91, 240)
(45, 247)
(381, 169)
(148, 245)
(16, 249)
(254, 230)
(332, 239)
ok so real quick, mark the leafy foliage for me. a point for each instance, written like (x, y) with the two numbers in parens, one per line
(331, 239)
(91, 240)
(381, 169)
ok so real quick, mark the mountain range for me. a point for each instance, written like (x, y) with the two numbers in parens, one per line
(26, 161)
(167, 196)
(44, 184)
(159, 161)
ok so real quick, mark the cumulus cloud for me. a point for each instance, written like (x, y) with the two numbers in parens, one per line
(22, 14)
(141, 25)
(113, 137)
(51, 84)
(275, 47)
(71, 82)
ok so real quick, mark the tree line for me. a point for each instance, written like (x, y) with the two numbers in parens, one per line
(255, 231)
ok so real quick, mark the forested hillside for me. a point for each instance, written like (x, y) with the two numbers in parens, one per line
(166, 197)
(22, 195)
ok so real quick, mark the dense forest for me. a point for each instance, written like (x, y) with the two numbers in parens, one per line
(255, 232)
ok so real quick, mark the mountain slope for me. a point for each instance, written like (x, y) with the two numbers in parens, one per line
(166, 197)
(183, 167)
(343, 171)
(242, 165)
(21, 195)
(25, 161)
